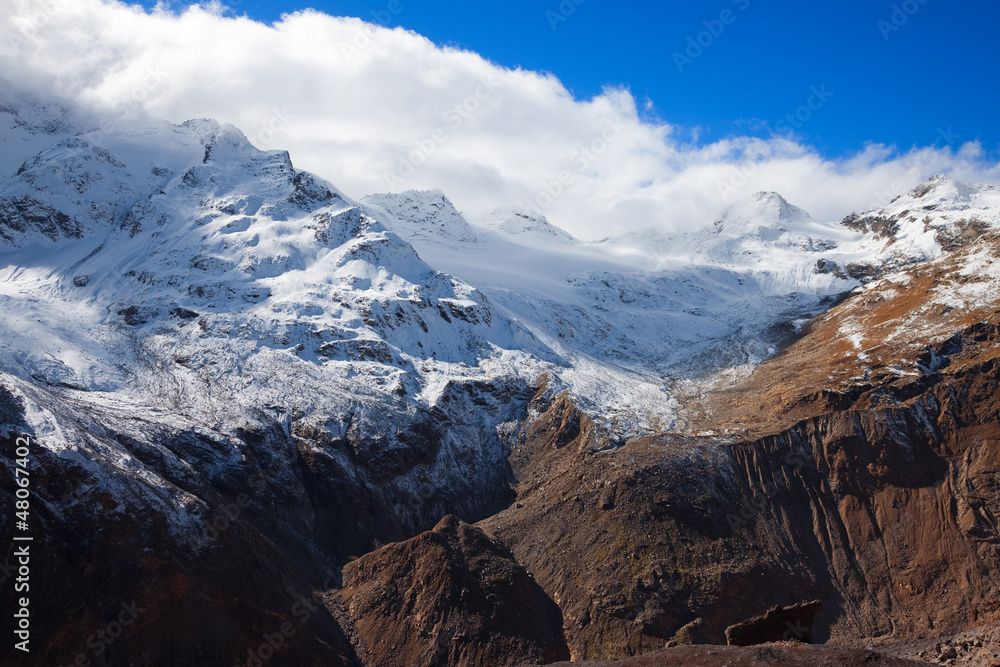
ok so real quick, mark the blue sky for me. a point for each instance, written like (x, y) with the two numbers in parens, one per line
(925, 68)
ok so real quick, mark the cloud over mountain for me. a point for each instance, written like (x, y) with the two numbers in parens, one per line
(376, 109)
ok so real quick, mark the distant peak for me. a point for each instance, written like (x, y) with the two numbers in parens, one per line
(517, 221)
(434, 196)
(946, 187)
(765, 196)
(506, 212)
(773, 199)
(932, 183)
(413, 196)
(203, 128)
(761, 209)
(211, 132)
(223, 142)
(423, 212)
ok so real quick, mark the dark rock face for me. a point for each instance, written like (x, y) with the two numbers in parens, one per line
(881, 227)
(792, 623)
(695, 632)
(836, 508)
(450, 596)
(961, 233)
(233, 562)
(22, 214)
(113, 583)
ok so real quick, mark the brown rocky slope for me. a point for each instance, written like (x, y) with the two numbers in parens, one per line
(449, 596)
(859, 467)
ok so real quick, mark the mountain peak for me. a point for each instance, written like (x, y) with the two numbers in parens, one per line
(519, 222)
(769, 196)
(939, 215)
(422, 213)
(759, 211)
(943, 187)
(205, 129)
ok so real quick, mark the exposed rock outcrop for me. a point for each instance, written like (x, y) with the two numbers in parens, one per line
(450, 596)
(791, 623)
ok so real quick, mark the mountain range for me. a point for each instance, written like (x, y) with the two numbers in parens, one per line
(374, 432)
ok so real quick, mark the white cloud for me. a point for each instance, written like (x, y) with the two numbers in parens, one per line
(364, 106)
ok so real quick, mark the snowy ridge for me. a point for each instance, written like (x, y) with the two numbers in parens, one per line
(767, 219)
(760, 234)
(419, 214)
(704, 307)
(168, 280)
(938, 215)
(628, 335)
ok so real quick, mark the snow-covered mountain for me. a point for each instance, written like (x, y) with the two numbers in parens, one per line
(30, 123)
(763, 234)
(269, 259)
(940, 214)
(178, 273)
(186, 317)
(178, 265)
(764, 222)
